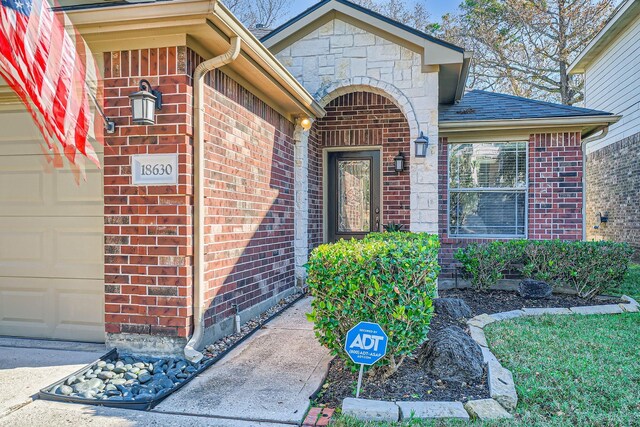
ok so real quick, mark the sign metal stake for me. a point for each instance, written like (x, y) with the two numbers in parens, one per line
(359, 381)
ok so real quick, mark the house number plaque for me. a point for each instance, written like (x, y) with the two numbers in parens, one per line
(154, 169)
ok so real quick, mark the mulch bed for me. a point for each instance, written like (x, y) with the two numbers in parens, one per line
(498, 301)
(411, 382)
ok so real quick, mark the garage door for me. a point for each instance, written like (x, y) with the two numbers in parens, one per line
(51, 241)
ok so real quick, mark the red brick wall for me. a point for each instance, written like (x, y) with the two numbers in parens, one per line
(613, 186)
(314, 229)
(148, 230)
(555, 194)
(250, 209)
(363, 119)
(148, 255)
(555, 186)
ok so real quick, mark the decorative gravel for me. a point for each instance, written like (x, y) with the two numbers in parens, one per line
(144, 379)
(128, 378)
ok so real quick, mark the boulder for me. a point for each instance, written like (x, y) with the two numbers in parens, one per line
(455, 308)
(451, 355)
(534, 289)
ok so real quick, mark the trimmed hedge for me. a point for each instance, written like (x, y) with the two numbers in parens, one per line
(386, 278)
(588, 267)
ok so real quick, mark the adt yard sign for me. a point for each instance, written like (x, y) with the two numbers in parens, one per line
(366, 343)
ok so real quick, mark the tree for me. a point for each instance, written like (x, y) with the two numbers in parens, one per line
(414, 14)
(525, 47)
(254, 13)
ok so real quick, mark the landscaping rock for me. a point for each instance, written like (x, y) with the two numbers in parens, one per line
(486, 409)
(543, 311)
(506, 315)
(481, 320)
(426, 410)
(477, 334)
(534, 289)
(455, 308)
(598, 309)
(451, 355)
(370, 410)
(501, 386)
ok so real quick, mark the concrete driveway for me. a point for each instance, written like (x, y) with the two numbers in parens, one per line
(26, 366)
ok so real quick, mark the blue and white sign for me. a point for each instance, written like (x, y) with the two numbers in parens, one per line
(366, 343)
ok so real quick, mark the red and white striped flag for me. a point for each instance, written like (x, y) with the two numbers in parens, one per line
(49, 66)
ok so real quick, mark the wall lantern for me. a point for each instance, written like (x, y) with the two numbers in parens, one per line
(398, 162)
(422, 143)
(305, 123)
(144, 104)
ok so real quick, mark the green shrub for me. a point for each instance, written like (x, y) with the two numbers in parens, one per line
(484, 263)
(588, 267)
(386, 278)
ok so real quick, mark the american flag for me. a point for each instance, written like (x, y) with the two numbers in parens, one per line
(49, 66)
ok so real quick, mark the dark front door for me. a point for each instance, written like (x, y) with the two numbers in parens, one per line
(353, 194)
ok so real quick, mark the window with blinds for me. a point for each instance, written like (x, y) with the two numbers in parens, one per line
(488, 189)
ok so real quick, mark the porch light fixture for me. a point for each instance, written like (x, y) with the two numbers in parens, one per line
(398, 162)
(422, 143)
(305, 123)
(144, 104)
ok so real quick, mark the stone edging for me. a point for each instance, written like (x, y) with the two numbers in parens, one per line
(501, 386)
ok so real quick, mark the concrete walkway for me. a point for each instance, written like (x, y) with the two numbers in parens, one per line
(265, 382)
(267, 378)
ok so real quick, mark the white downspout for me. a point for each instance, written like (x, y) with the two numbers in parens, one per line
(604, 130)
(230, 55)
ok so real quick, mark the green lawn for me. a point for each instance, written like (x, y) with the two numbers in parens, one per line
(568, 370)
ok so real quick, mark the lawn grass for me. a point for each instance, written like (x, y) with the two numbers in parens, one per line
(569, 371)
(631, 285)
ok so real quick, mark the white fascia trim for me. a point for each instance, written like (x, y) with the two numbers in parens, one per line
(611, 28)
(532, 124)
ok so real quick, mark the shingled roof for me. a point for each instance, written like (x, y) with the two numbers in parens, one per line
(481, 105)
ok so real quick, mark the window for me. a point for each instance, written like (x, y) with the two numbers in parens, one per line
(487, 189)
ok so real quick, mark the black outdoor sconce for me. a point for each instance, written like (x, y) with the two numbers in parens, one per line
(422, 143)
(144, 104)
(398, 162)
(603, 218)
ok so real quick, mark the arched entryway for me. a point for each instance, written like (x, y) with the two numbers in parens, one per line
(353, 185)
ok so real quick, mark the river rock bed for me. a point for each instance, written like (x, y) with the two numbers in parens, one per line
(144, 378)
(128, 378)
(222, 344)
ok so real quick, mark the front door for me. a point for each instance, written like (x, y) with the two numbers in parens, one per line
(353, 194)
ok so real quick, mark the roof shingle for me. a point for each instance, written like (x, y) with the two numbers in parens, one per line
(482, 105)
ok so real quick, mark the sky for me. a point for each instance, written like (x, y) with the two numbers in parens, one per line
(437, 8)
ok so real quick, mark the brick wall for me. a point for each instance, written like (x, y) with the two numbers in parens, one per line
(363, 119)
(250, 199)
(555, 194)
(613, 186)
(148, 255)
(148, 230)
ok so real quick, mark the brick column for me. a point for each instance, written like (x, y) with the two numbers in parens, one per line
(148, 229)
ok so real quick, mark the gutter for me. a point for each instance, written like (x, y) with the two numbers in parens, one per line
(201, 71)
(472, 125)
(604, 130)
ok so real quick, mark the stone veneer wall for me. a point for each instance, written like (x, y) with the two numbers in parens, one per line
(555, 194)
(613, 186)
(339, 58)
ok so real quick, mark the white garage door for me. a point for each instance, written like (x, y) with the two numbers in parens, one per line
(51, 241)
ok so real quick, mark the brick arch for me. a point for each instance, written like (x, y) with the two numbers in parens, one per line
(366, 84)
